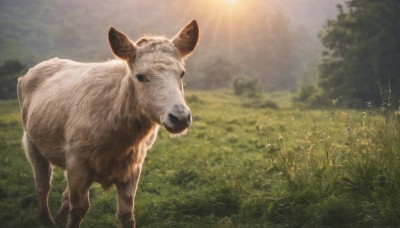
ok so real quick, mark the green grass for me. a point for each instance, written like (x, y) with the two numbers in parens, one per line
(240, 165)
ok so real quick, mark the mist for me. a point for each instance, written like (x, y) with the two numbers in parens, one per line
(274, 41)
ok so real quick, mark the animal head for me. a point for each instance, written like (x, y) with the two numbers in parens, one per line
(156, 68)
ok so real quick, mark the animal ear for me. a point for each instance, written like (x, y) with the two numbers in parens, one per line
(121, 45)
(186, 40)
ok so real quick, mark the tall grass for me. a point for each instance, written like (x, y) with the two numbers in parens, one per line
(338, 169)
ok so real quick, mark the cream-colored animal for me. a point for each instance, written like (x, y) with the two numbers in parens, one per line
(97, 120)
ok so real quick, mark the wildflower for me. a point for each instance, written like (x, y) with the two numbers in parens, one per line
(348, 130)
(364, 142)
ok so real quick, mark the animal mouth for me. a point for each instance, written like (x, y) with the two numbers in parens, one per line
(177, 120)
(174, 130)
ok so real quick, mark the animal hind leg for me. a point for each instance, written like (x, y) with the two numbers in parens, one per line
(42, 173)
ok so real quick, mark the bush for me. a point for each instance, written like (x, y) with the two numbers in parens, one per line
(260, 102)
(246, 86)
(9, 73)
(336, 212)
(310, 96)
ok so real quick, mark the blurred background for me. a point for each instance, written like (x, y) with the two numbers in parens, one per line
(317, 50)
(273, 41)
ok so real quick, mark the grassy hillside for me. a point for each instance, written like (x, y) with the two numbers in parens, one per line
(241, 164)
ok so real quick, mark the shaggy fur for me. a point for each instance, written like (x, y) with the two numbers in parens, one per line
(97, 120)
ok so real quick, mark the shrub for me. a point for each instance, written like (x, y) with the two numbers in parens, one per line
(9, 73)
(260, 102)
(310, 96)
(336, 212)
(246, 86)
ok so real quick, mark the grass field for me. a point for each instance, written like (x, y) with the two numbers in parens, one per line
(241, 164)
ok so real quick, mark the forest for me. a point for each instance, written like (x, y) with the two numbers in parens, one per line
(296, 111)
(278, 44)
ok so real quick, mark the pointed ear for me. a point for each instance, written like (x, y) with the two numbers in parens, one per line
(187, 39)
(121, 45)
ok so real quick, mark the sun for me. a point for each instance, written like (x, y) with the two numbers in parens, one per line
(231, 2)
(226, 20)
(225, 3)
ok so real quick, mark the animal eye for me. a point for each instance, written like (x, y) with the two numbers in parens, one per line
(183, 74)
(141, 78)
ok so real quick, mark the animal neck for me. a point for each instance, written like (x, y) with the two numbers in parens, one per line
(128, 116)
(126, 104)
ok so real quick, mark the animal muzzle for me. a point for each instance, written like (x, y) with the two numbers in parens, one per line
(178, 119)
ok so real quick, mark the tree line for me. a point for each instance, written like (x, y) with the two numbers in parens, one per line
(360, 62)
(256, 39)
(9, 72)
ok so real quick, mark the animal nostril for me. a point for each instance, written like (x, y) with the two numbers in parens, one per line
(173, 119)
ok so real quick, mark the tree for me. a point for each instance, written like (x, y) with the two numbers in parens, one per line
(9, 73)
(219, 72)
(362, 58)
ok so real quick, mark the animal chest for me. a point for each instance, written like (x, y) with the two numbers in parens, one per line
(111, 168)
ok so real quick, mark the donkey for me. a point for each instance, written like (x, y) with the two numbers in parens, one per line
(97, 120)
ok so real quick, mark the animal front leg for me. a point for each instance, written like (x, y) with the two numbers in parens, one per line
(78, 187)
(64, 209)
(126, 197)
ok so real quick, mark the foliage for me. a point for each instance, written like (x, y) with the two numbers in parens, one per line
(247, 86)
(239, 167)
(259, 102)
(362, 57)
(9, 73)
(219, 72)
(270, 44)
(310, 97)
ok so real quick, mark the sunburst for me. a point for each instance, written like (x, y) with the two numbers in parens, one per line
(231, 2)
